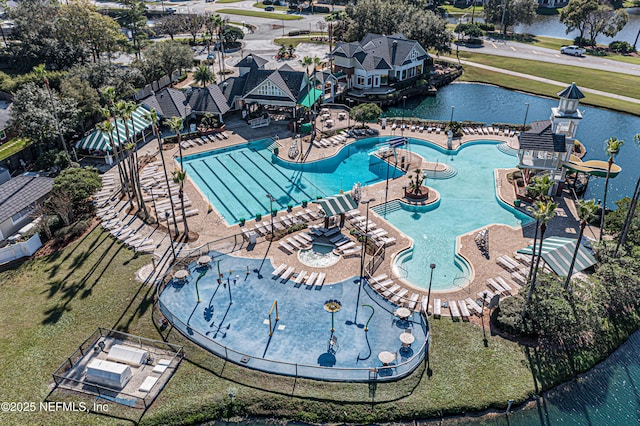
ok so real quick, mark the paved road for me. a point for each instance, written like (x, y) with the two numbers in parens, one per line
(526, 51)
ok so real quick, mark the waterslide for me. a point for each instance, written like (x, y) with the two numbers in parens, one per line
(592, 167)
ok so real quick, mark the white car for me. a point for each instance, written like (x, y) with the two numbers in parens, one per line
(573, 50)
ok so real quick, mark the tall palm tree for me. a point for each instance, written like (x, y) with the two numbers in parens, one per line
(125, 110)
(539, 188)
(109, 95)
(203, 75)
(632, 209)
(220, 23)
(612, 148)
(306, 62)
(40, 72)
(131, 107)
(586, 210)
(152, 116)
(179, 176)
(543, 212)
(107, 127)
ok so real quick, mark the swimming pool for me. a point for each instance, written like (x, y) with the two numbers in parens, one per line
(238, 320)
(468, 201)
(236, 180)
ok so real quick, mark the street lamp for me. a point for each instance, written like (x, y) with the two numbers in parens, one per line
(271, 200)
(366, 238)
(404, 104)
(166, 216)
(432, 266)
(524, 123)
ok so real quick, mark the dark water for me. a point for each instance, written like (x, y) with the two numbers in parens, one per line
(480, 102)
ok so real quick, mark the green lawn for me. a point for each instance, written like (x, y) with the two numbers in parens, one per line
(622, 84)
(51, 304)
(227, 1)
(266, 15)
(11, 147)
(296, 40)
(515, 83)
(453, 10)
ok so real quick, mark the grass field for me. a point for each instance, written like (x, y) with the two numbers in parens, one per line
(618, 83)
(474, 74)
(51, 304)
(227, 1)
(276, 7)
(11, 147)
(258, 14)
(295, 41)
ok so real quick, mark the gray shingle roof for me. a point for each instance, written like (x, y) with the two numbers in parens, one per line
(375, 51)
(168, 103)
(20, 192)
(250, 61)
(232, 88)
(208, 99)
(571, 92)
(290, 82)
(541, 138)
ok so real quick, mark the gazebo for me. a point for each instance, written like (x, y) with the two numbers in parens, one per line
(337, 205)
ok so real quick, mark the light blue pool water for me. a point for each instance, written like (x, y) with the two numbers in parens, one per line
(236, 180)
(468, 202)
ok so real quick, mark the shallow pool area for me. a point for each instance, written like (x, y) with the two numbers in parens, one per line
(248, 317)
(319, 255)
(468, 201)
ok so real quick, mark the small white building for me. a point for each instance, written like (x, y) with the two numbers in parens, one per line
(550, 143)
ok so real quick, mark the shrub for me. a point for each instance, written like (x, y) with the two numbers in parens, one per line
(621, 47)
(475, 42)
(73, 231)
(486, 27)
(581, 41)
(298, 32)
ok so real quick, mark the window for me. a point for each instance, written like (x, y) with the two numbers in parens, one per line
(21, 214)
(270, 89)
(360, 80)
(413, 55)
(369, 81)
(3, 135)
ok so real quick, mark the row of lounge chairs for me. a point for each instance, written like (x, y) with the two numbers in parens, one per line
(332, 141)
(362, 133)
(397, 294)
(107, 192)
(203, 140)
(285, 272)
(489, 131)
(126, 234)
(378, 235)
(458, 309)
(296, 242)
(281, 223)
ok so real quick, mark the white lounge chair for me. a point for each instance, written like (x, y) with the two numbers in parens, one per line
(399, 295)
(301, 276)
(453, 308)
(474, 305)
(287, 247)
(437, 306)
(279, 269)
(320, 280)
(464, 312)
(285, 276)
(312, 278)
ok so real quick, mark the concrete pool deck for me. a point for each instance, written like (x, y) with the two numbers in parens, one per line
(504, 240)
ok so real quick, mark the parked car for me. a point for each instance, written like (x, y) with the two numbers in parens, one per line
(171, 10)
(269, 9)
(573, 50)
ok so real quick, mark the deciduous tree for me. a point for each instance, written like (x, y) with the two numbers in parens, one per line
(508, 13)
(574, 16)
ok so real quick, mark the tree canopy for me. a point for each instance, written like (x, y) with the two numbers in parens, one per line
(163, 58)
(365, 112)
(590, 17)
(397, 16)
(509, 12)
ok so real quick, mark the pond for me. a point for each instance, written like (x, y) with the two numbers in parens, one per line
(485, 103)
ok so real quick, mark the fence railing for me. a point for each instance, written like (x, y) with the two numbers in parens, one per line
(365, 374)
(61, 378)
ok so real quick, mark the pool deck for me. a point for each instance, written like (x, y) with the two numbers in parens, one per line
(504, 240)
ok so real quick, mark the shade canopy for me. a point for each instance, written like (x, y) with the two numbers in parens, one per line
(310, 97)
(557, 252)
(333, 206)
(99, 140)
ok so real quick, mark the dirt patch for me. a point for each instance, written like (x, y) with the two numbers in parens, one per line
(54, 245)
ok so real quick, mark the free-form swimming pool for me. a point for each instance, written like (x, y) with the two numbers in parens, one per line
(468, 201)
(236, 180)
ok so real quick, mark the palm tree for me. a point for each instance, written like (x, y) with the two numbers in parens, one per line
(109, 95)
(219, 24)
(586, 210)
(179, 176)
(125, 110)
(107, 127)
(539, 188)
(131, 108)
(612, 148)
(152, 116)
(306, 62)
(632, 209)
(203, 75)
(40, 72)
(543, 212)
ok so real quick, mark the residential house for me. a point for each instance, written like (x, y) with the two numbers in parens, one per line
(5, 120)
(373, 64)
(18, 199)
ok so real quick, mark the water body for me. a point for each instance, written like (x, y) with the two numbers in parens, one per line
(609, 394)
(550, 26)
(485, 103)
